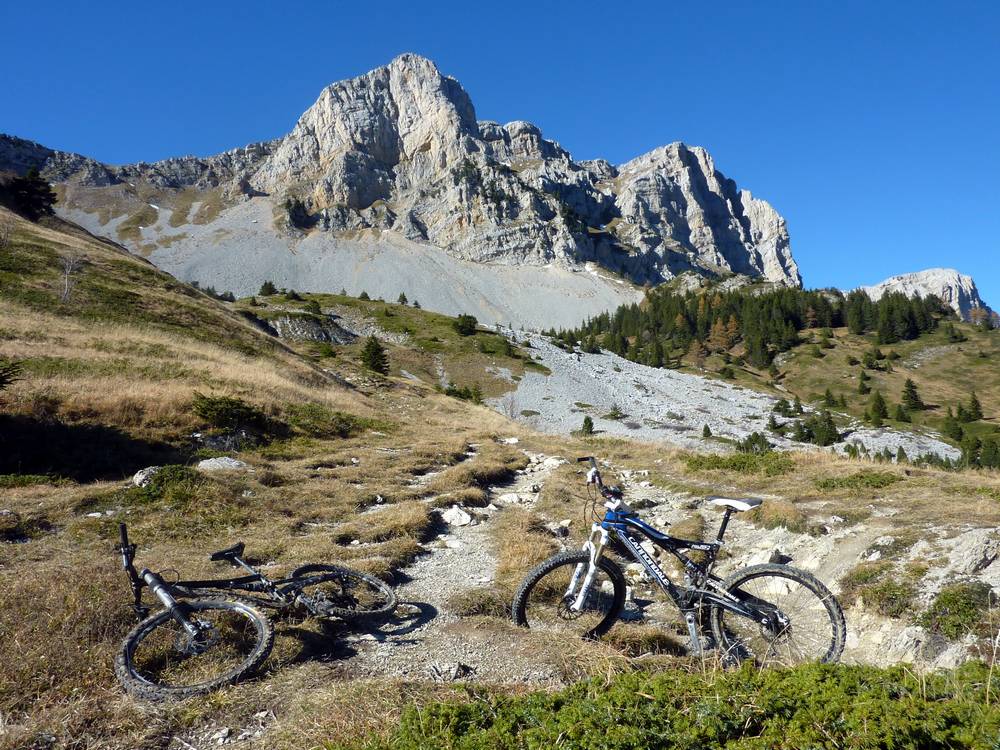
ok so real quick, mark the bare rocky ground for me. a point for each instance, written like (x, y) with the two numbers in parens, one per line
(246, 250)
(427, 640)
(663, 405)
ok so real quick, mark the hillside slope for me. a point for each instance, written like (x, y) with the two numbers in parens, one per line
(343, 465)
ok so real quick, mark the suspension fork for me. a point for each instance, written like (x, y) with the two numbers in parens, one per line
(162, 592)
(594, 547)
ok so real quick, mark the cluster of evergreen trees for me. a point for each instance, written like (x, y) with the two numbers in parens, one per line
(31, 195)
(765, 324)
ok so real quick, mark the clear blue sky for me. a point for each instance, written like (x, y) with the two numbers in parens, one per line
(873, 127)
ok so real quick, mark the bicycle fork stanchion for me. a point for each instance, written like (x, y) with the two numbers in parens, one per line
(162, 593)
(595, 548)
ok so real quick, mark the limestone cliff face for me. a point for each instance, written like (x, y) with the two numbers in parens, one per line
(956, 290)
(400, 149)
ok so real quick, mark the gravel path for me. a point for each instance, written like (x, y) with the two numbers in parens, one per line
(427, 640)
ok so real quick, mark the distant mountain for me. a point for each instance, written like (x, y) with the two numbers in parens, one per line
(956, 290)
(387, 170)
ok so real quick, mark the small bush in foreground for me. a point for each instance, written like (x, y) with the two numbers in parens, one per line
(812, 706)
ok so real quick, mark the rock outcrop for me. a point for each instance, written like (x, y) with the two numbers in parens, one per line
(400, 150)
(956, 290)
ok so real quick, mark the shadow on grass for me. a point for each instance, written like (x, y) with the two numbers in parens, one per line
(84, 453)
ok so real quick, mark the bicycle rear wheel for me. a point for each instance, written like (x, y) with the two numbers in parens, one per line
(804, 621)
(161, 659)
(335, 591)
(545, 599)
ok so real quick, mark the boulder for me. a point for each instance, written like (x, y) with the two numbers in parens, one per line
(456, 516)
(222, 463)
(144, 476)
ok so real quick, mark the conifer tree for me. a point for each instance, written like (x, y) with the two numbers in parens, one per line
(706, 432)
(975, 408)
(878, 406)
(911, 399)
(267, 289)
(588, 426)
(828, 399)
(901, 415)
(374, 356)
(401, 300)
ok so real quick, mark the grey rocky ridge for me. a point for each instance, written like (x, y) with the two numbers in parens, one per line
(956, 290)
(389, 178)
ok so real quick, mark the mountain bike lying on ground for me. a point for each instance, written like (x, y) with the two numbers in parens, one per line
(204, 638)
(771, 614)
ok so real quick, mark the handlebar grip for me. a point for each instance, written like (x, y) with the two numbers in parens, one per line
(582, 459)
(123, 535)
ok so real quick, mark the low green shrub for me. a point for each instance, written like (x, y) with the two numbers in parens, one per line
(866, 479)
(769, 464)
(812, 706)
(959, 609)
(315, 420)
(875, 583)
(226, 412)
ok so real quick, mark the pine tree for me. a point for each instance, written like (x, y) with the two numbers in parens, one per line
(878, 406)
(989, 456)
(961, 414)
(952, 428)
(31, 196)
(828, 399)
(975, 408)
(364, 296)
(842, 402)
(706, 431)
(863, 387)
(901, 415)
(588, 426)
(374, 356)
(797, 406)
(401, 299)
(901, 457)
(416, 304)
(267, 289)
(772, 424)
(911, 399)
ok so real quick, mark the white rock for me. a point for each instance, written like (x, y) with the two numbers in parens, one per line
(143, 477)
(222, 463)
(455, 516)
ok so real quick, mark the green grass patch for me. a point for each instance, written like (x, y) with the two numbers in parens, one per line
(8, 481)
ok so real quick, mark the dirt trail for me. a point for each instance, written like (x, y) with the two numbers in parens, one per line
(427, 640)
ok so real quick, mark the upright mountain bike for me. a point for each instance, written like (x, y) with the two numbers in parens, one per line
(206, 636)
(771, 614)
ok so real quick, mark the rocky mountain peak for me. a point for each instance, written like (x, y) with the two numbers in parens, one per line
(955, 289)
(397, 154)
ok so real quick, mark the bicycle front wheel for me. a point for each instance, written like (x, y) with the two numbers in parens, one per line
(798, 619)
(548, 596)
(335, 591)
(161, 659)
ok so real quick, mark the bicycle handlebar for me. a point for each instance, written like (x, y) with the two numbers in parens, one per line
(123, 535)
